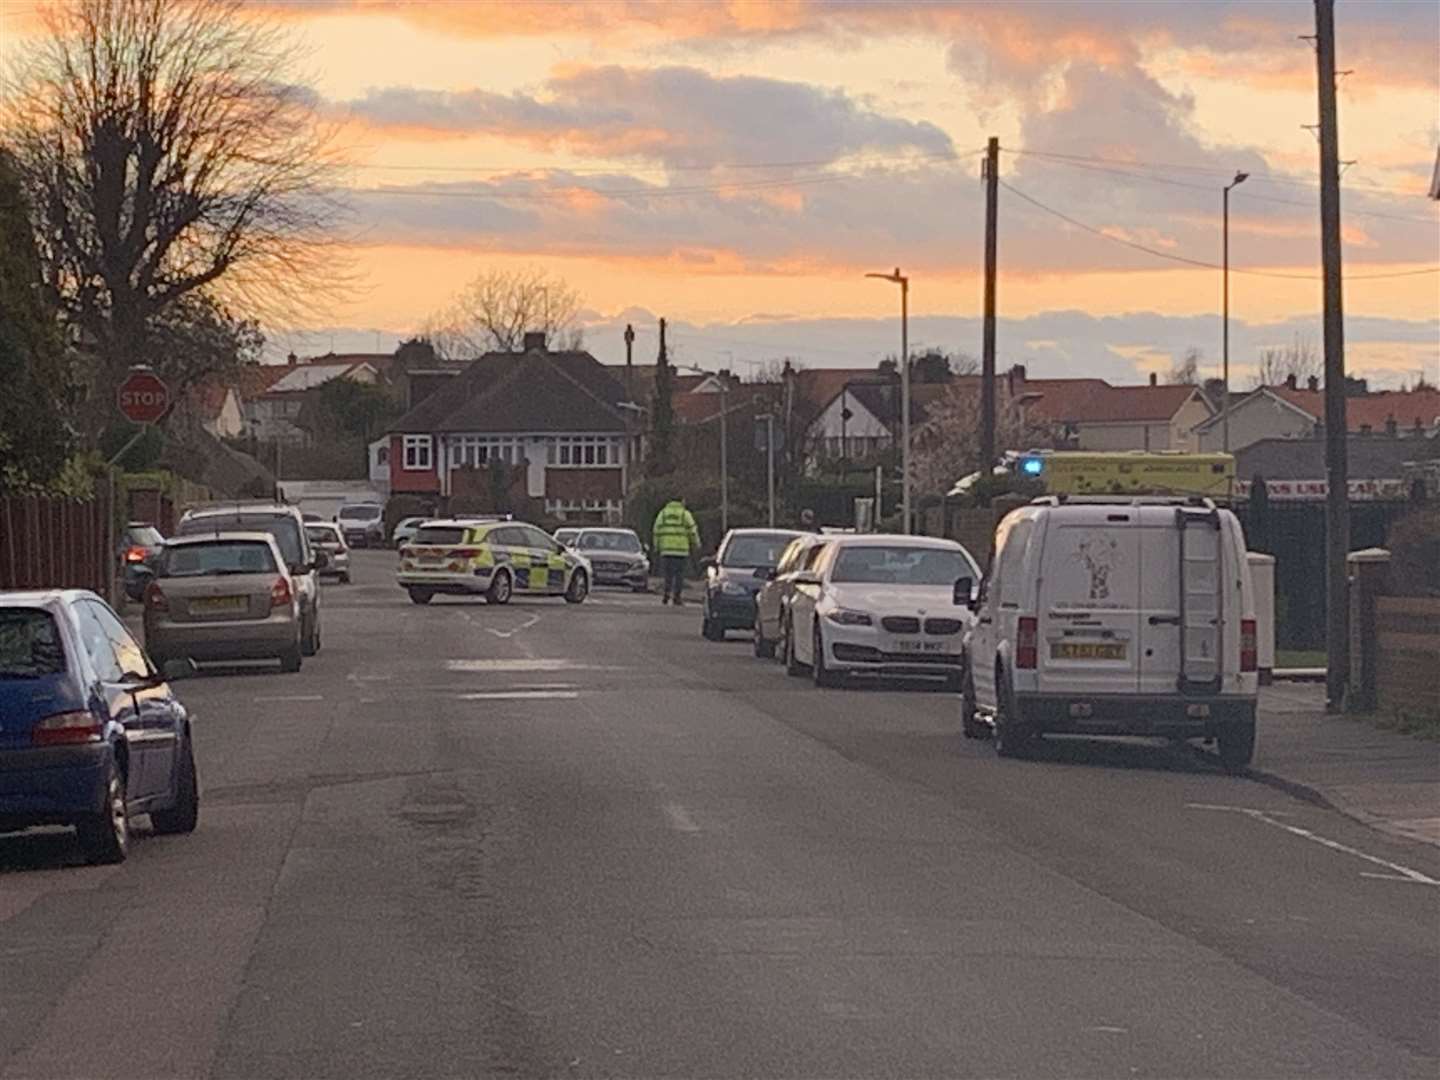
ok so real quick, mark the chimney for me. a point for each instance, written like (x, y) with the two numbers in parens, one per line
(291, 360)
(1291, 382)
(1392, 426)
(534, 341)
(1365, 429)
(1019, 372)
(1313, 383)
(1154, 379)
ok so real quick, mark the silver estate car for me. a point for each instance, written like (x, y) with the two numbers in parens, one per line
(223, 596)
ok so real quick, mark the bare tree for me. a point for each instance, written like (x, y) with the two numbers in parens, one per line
(169, 153)
(947, 444)
(1279, 362)
(498, 307)
(1186, 370)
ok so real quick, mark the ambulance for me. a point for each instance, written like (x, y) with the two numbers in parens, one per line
(1118, 604)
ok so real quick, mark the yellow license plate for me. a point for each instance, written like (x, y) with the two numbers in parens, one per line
(1087, 650)
(219, 603)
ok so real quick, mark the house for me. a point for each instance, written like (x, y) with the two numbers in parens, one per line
(272, 411)
(552, 419)
(218, 406)
(863, 417)
(1092, 414)
(1295, 412)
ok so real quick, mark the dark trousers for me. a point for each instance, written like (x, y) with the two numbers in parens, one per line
(673, 567)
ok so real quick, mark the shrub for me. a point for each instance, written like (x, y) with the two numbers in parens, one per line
(1415, 553)
(403, 506)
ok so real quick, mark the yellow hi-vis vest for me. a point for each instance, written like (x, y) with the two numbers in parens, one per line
(675, 532)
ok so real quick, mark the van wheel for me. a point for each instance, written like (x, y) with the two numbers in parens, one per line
(823, 675)
(970, 726)
(1013, 737)
(105, 836)
(1237, 745)
(500, 588)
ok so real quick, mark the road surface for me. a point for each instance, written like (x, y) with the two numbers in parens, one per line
(550, 840)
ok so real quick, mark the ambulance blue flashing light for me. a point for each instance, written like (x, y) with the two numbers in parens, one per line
(1032, 466)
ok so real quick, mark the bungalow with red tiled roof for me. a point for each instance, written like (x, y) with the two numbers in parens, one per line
(1290, 411)
(554, 418)
(279, 392)
(1092, 414)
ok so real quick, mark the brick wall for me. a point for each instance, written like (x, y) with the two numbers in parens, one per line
(1407, 632)
(579, 484)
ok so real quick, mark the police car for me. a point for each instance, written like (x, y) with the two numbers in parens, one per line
(496, 560)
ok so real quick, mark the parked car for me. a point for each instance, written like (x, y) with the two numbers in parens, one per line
(302, 562)
(363, 524)
(405, 530)
(616, 556)
(90, 732)
(732, 578)
(882, 605)
(567, 535)
(137, 546)
(326, 536)
(773, 599)
(1120, 616)
(224, 596)
(497, 560)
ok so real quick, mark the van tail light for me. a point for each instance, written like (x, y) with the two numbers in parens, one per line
(280, 595)
(66, 729)
(155, 598)
(1027, 643)
(1249, 653)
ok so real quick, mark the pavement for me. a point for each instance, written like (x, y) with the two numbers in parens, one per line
(581, 841)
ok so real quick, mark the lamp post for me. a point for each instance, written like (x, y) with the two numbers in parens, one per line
(1240, 178)
(724, 442)
(904, 283)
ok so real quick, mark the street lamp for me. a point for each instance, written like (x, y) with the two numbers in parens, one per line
(1240, 178)
(904, 283)
(724, 442)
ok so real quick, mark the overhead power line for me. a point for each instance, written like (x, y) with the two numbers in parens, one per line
(1187, 260)
(714, 166)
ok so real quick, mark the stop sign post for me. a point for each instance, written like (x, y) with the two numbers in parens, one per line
(143, 397)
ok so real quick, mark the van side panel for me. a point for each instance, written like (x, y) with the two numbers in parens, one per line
(1088, 604)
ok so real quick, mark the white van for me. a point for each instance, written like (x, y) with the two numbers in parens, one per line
(1115, 616)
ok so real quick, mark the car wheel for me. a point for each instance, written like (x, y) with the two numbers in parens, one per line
(310, 639)
(420, 596)
(105, 836)
(1237, 745)
(970, 725)
(822, 675)
(764, 647)
(793, 666)
(185, 814)
(292, 659)
(711, 629)
(578, 589)
(345, 578)
(1013, 737)
(500, 588)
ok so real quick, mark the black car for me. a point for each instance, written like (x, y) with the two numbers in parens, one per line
(746, 560)
(137, 547)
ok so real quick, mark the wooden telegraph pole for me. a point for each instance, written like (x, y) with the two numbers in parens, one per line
(987, 348)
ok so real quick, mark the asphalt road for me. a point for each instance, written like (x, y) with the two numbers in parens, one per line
(550, 840)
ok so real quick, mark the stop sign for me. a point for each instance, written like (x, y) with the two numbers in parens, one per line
(143, 397)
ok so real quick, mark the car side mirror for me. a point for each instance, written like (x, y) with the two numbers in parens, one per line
(322, 560)
(964, 593)
(180, 668)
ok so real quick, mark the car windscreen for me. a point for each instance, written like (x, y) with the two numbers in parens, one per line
(606, 541)
(439, 534)
(285, 530)
(217, 558)
(29, 644)
(361, 512)
(755, 550)
(879, 564)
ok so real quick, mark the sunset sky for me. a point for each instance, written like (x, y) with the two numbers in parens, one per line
(738, 167)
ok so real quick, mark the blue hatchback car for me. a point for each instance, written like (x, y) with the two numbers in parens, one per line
(90, 733)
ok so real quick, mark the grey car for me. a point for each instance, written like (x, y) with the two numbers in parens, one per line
(223, 596)
(616, 556)
(302, 561)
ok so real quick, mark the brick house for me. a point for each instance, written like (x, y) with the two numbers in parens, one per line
(552, 419)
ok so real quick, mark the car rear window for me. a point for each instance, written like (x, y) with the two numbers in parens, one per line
(755, 550)
(439, 534)
(220, 557)
(29, 644)
(282, 527)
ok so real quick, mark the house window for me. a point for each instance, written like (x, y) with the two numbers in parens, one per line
(417, 453)
(478, 451)
(583, 451)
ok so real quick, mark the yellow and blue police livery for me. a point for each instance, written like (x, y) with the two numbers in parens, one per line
(496, 560)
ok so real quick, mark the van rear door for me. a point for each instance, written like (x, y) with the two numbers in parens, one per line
(1089, 635)
(1182, 619)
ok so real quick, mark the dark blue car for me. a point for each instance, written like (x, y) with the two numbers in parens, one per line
(90, 733)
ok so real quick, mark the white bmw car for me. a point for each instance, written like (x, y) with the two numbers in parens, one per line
(882, 605)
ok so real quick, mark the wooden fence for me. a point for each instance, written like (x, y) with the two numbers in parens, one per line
(1407, 654)
(55, 543)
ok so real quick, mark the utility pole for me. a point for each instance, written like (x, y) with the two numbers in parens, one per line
(987, 343)
(629, 362)
(1240, 178)
(724, 455)
(1337, 505)
(770, 464)
(904, 283)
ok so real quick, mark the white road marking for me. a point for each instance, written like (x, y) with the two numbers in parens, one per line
(520, 695)
(680, 819)
(1399, 873)
(522, 664)
(511, 633)
(290, 697)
